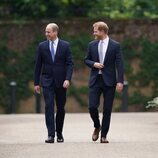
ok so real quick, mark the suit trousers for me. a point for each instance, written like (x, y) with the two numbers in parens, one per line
(95, 92)
(51, 95)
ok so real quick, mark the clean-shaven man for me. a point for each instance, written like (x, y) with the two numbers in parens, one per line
(53, 72)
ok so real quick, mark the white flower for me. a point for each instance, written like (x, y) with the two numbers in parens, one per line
(153, 103)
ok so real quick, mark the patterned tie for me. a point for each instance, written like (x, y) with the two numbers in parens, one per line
(52, 50)
(101, 59)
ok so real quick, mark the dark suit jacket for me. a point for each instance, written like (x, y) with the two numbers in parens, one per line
(48, 71)
(113, 60)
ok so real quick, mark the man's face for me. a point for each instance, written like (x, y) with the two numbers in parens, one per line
(50, 34)
(98, 34)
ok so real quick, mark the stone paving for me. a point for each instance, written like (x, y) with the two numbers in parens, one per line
(131, 135)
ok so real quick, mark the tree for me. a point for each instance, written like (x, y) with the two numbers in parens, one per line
(125, 9)
(41, 9)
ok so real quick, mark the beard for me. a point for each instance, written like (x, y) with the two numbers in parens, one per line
(97, 37)
(48, 38)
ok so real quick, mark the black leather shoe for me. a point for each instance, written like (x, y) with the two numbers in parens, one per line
(60, 138)
(49, 140)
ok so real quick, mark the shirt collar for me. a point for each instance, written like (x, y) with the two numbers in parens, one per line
(55, 41)
(105, 40)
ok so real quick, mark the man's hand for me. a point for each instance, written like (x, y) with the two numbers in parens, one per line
(119, 87)
(98, 65)
(66, 84)
(37, 89)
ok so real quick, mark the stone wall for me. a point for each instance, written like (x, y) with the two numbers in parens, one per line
(20, 34)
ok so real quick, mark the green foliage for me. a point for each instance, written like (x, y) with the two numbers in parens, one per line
(147, 76)
(146, 51)
(18, 66)
(15, 66)
(125, 9)
(78, 47)
(129, 52)
(137, 98)
(149, 64)
(34, 9)
(122, 9)
(77, 93)
(147, 9)
(79, 8)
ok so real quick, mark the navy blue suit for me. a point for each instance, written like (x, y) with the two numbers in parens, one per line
(103, 83)
(51, 76)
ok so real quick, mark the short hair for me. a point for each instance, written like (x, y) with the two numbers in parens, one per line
(54, 26)
(102, 26)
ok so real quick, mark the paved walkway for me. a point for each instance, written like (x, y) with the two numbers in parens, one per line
(132, 135)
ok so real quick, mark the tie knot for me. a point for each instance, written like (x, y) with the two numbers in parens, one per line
(52, 44)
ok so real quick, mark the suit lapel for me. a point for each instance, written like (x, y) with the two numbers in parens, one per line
(108, 50)
(58, 48)
(47, 46)
(96, 49)
(48, 50)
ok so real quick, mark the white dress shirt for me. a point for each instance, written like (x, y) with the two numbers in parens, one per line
(55, 44)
